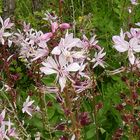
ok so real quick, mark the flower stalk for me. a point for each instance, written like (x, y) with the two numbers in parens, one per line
(92, 91)
(74, 122)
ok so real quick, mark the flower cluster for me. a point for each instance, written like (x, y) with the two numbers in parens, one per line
(55, 25)
(68, 60)
(128, 41)
(28, 107)
(72, 60)
(33, 43)
(5, 25)
(6, 130)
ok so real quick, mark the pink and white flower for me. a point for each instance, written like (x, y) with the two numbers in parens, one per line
(33, 44)
(6, 130)
(134, 2)
(134, 32)
(60, 66)
(67, 46)
(26, 27)
(121, 45)
(27, 106)
(5, 25)
(50, 17)
(54, 26)
(82, 85)
(92, 43)
(98, 59)
(2, 116)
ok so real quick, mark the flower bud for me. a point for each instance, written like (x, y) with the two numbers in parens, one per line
(99, 106)
(124, 78)
(49, 104)
(134, 95)
(46, 36)
(135, 128)
(64, 138)
(84, 119)
(54, 26)
(60, 127)
(138, 83)
(132, 83)
(119, 107)
(64, 26)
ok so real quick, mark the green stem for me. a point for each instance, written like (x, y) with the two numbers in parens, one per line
(60, 9)
(73, 16)
(94, 107)
(123, 9)
(95, 117)
(23, 130)
(44, 114)
(46, 117)
(72, 116)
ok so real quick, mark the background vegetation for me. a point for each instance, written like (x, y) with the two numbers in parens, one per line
(104, 18)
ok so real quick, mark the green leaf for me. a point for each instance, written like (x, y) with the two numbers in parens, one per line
(91, 131)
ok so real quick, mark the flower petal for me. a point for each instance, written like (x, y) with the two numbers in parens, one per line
(73, 67)
(134, 44)
(47, 71)
(120, 44)
(56, 51)
(62, 82)
(131, 57)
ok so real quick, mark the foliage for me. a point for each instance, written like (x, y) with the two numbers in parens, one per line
(49, 102)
